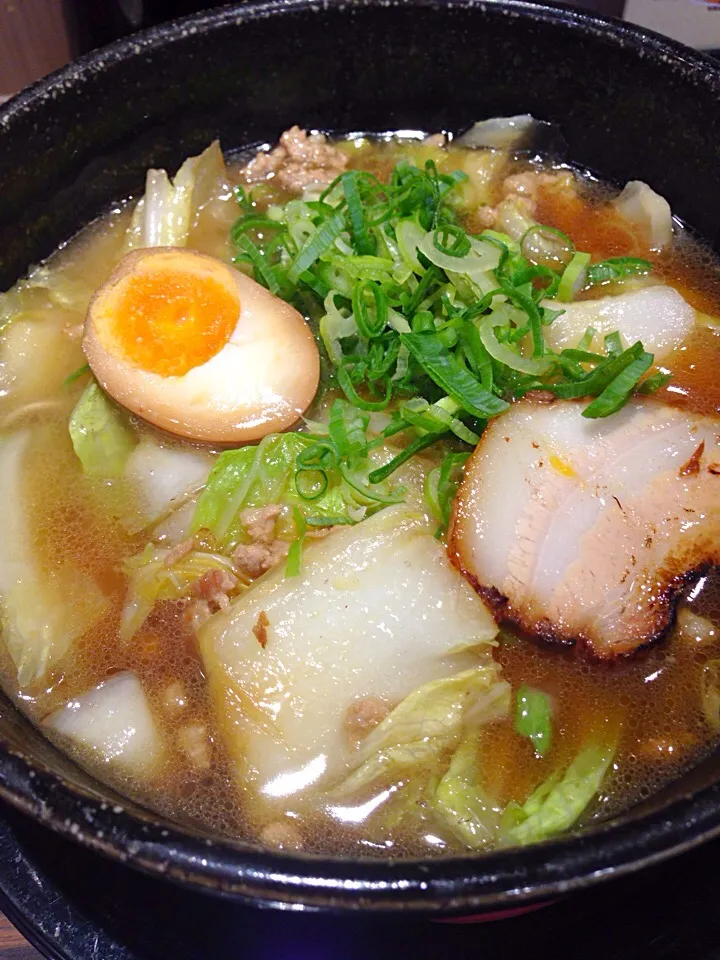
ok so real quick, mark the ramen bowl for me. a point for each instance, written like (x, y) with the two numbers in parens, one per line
(631, 105)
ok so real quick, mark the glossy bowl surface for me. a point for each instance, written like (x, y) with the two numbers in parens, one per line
(631, 105)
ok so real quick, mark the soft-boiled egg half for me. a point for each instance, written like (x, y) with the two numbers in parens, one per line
(197, 348)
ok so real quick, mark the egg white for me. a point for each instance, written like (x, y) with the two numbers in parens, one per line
(261, 381)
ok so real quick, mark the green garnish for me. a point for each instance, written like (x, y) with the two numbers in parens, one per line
(618, 391)
(293, 564)
(617, 268)
(533, 718)
(418, 316)
(654, 382)
(76, 374)
(441, 486)
(574, 277)
(442, 367)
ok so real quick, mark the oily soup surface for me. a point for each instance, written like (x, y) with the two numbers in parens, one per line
(654, 698)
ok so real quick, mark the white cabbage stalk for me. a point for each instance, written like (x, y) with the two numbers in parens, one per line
(657, 315)
(499, 133)
(647, 210)
(36, 355)
(43, 612)
(164, 477)
(166, 214)
(114, 722)
(377, 611)
(710, 694)
(513, 219)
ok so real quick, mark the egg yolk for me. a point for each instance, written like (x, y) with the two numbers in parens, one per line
(168, 322)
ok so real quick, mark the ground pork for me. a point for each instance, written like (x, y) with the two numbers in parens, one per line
(254, 559)
(178, 552)
(522, 190)
(211, 592)
(299, 160)
(259, 522)
(266, 550)
(194, 741)
(214, 586)
(363, 715)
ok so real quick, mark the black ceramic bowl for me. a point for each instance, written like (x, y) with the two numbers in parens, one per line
(631, 106)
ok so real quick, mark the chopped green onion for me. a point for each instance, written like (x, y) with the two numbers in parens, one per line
(412, 303)
(76, 374)
(310, 482)
(316, 245)
(613, 344)
(433, 275)
(441, 485)
(442, 367)
(587, 339)
(617, 393)
(264, 272)
(420, 443)
(616, 269)
(526, 303)
(583, 356)
(451, 240)
(574, 277)
(293, 564)
(328, 521)
(409, 235)
(362, 239)
(533, 718)
(505, 354)
(477, 354)
(437, 418)
(241, 198)
(373, 495)
(595, 382)
(370, 320)
(348, 388)
(654, 382)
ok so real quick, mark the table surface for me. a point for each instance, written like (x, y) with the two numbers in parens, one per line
(12, 945)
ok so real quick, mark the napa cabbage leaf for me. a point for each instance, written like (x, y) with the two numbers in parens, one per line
(271, 473)
(460, 803)
(560, 800)
(100, 437)
(170, 208)
(152, 578)
(427, 723)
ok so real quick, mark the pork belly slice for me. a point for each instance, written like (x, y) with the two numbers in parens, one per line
(588, 530)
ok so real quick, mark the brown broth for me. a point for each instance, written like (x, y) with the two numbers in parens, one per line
(654, 697)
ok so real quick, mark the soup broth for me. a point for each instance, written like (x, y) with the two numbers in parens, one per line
(79, 534)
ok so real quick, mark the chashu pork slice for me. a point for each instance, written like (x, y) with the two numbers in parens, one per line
(588, 530)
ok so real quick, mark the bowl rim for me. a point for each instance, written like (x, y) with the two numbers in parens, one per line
(446, 885)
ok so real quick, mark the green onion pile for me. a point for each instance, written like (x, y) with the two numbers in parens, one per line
(439, 327)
